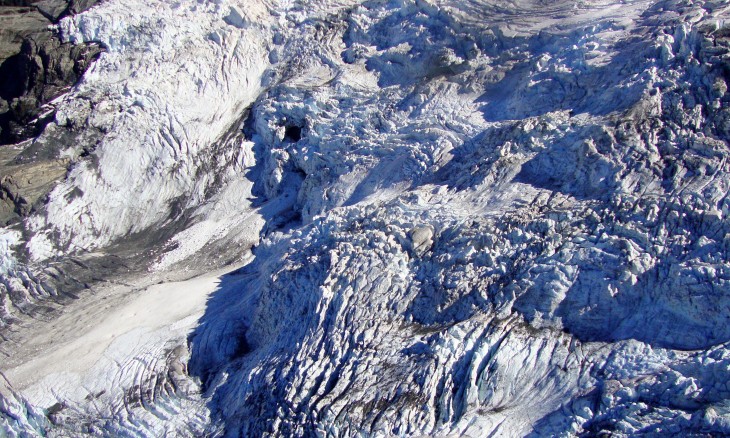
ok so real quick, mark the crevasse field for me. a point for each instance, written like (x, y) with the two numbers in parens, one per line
(377, 218)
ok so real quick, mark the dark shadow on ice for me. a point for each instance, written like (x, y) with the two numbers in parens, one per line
(242, 328)
(220, 335)
(221, 339)
(224, 336)
(668, 307)
(596, 90)
(573, 166)
(384, 175)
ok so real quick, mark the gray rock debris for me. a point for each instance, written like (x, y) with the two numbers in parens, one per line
(421, 239)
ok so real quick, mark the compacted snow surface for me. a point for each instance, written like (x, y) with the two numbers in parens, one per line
(379, 218)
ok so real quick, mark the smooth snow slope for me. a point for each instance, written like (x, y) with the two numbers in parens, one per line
(469, 218)
(121, 351)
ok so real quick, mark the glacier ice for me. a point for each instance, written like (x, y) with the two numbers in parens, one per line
(451, 219)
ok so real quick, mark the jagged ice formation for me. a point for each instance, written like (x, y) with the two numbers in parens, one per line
(466, 217)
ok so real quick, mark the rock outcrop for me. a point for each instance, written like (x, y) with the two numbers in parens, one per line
(35, 67)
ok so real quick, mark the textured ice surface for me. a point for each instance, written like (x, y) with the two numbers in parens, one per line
(174, 81)
(468, 217)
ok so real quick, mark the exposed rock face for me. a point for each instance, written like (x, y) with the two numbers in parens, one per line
(42, 68)
(468, 218)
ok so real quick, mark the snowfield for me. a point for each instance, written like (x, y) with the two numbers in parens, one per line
(437, 218)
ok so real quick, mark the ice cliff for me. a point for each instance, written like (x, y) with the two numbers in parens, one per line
(467, 218)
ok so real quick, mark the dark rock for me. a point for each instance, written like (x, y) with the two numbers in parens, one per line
(78, 6)
(52, 9)
(35, 76)
(16, 2)
(35, 67)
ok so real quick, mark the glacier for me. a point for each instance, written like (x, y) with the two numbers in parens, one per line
(376, 218)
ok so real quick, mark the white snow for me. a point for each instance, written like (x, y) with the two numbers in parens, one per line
(8, 240)
(167, 91)
(230, 211)
(101, 338)
(469, 218)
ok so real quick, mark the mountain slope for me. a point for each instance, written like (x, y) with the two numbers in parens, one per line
(467, 218)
